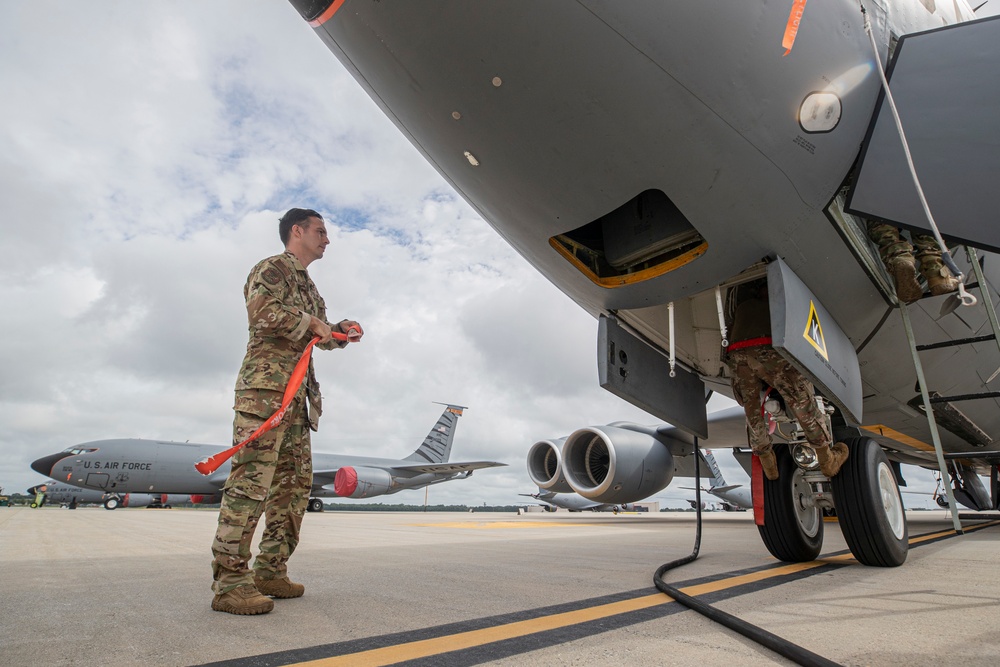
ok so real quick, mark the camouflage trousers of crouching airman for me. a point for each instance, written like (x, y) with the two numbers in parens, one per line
(272, 476)
(891, 245)
(748, 367)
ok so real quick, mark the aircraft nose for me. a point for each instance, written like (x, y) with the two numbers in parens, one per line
(43, 466)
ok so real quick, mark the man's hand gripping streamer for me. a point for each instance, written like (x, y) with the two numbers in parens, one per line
(212, 463)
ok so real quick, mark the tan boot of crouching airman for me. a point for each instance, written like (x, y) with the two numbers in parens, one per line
(941, 281)
(243, 600)
(281, 587)
(831, 458)
(904, 273)
(768, 463)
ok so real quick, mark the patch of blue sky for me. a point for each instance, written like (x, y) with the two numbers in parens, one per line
(300, 195)
(238, 99)
(350, 218)
(441, 195)
(396, 235)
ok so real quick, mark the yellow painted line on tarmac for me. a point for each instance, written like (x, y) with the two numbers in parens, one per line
(951, 531)
(389, 655)
(488, 525)
(421, 649)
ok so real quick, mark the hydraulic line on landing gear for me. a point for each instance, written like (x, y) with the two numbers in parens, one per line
(780, 646)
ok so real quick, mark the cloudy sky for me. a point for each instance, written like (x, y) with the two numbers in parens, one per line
(146, 152)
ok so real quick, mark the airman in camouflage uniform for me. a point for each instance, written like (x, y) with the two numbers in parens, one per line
(750, 359)
(273, 474)
(898, 256)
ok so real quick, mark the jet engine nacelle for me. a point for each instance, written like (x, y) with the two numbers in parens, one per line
(608, 464)
(352, 482)
(132, 500)
(545, 466)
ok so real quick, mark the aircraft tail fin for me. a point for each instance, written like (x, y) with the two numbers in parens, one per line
(717, 478)
(436, 447)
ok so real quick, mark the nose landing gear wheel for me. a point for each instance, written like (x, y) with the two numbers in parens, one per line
(869, 506)
(793, 525)
(315, 505)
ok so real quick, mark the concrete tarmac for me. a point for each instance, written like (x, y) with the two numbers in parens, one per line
(131, 587)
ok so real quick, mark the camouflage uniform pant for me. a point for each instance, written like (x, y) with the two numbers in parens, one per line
(751, 365)
(272, 476)
(892, 245)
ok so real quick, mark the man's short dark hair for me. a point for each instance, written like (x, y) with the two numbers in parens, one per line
(295, 216)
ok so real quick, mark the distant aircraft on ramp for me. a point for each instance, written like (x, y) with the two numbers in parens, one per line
(61, 493)
(574, 502)
(149, 466)
(734, 497)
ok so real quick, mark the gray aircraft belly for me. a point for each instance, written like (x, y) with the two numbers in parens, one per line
(617, 104)
(602, 100)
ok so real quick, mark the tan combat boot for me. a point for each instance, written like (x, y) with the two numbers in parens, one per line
(281, 587)
(831, 458)
(904, 272)
(243, 600)
(768, 463)
(941, 282)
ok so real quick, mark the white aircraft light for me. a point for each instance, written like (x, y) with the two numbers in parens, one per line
(472, 159)
(456, 115)
(497, 82)
(805, 457)
(820, 112)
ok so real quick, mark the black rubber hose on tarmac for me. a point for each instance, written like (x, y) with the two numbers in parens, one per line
(783, 647)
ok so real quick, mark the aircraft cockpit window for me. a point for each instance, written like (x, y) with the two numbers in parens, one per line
(642, 239)
(76, 451)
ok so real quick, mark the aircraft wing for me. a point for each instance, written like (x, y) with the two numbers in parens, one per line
(323, 476)
(726, 428)
(448, 467)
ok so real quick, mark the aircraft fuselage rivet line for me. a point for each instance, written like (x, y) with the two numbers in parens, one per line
(472, 639)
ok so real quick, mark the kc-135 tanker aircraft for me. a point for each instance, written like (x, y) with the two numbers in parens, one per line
(648, 157)
(148, 466)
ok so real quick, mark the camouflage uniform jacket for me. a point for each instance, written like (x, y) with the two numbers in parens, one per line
(280, 297)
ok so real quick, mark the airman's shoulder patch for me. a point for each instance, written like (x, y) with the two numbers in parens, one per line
(271, 276)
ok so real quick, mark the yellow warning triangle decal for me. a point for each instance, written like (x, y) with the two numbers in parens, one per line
(814, 331)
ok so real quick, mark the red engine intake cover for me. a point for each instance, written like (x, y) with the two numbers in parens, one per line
(345, 482)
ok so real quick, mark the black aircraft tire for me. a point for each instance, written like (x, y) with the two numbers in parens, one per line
(111, 503)
(792, 530)
(315, 505)
(869, 506)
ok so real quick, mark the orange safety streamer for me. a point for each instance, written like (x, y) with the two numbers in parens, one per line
(212, 463)
(792, 27)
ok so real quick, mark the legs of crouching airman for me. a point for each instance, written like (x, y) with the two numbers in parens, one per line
(901, 260)
(748, 367)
